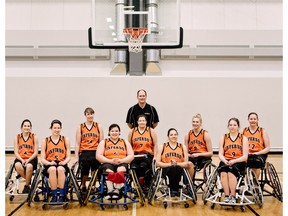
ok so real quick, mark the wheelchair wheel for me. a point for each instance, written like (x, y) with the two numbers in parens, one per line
(210, 187)
(153, 185)
(137, 186)
(255, 187)
(208, 170)
(275, 182)
(90, 187)
(191, 189)
(8, 175)
(74, 184)
(34, 185)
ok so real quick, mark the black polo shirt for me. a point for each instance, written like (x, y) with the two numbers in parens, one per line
(136, 110)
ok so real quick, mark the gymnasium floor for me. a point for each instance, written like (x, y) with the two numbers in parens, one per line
(271, 205)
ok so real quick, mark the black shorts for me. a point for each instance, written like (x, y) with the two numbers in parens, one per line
(142, 164)
(87, 161)
(236, 169)
(112, 167)
(256, 161)
(45, 173)
(199, 162)
(34, 163)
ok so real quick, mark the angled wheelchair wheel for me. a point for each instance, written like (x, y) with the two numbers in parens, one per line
(211, 187)
(90, 187)
(9, 175)
(255, 187)
(153, 186)
(208, 170)
(74, 185)
(34, 185)
(275, 182)
(191, 189)
(137, 186)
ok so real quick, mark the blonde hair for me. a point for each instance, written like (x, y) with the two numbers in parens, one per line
(198, 116)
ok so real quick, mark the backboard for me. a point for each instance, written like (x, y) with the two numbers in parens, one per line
(111, 17)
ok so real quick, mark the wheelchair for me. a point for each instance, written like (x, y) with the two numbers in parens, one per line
(159, 189)
(41, 192)
(128, 193)
(13, 182)
(247, 186)
(269, 182)
(200, 179)
(145, 180)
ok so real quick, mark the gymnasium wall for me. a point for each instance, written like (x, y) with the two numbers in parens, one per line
(64, 77)
(43, 91)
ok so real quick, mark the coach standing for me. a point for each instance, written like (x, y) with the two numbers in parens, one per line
(142, 108)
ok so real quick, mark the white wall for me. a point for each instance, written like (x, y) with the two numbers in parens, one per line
(59, 88)
(218, 90)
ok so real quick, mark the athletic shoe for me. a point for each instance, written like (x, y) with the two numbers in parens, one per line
(54, 199)
(226, 199)
(232, 200)
(115, 193)
(26, 189)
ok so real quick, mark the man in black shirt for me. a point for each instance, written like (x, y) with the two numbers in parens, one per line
(142, 108)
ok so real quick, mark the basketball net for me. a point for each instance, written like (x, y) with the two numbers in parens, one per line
(135, 38)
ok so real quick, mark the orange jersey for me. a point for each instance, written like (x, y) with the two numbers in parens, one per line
(55, 151)
(115, 150)
(142, 142)
(233, 149)
(25, 147)
(89, 138)
(196, 144)
(256, 141)
(169, 154)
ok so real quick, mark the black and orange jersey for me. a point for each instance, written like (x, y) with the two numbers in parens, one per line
(196, 143)
(142, 142)
(169, 153)
(25, 147)
(233, 149)
(55, 151)
(115, 150)
(89, 138)
(255, 140)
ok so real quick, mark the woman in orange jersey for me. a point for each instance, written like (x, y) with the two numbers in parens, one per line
(233, 153)
(88, 136)
(173, 157)
(199, 145)
(114, 153)
(144, 143)
(259, 144)
(55, 155)
(26, 151)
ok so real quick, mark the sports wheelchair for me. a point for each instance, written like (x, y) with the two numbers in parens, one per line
(13, 182)
(160, 191)
(247, 185)
(200, 178)
(41, 192)
(128, 193)
(269, 179)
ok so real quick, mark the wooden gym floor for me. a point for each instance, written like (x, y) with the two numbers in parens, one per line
(271, 205)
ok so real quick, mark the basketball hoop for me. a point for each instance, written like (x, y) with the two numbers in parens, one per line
(135, 38)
